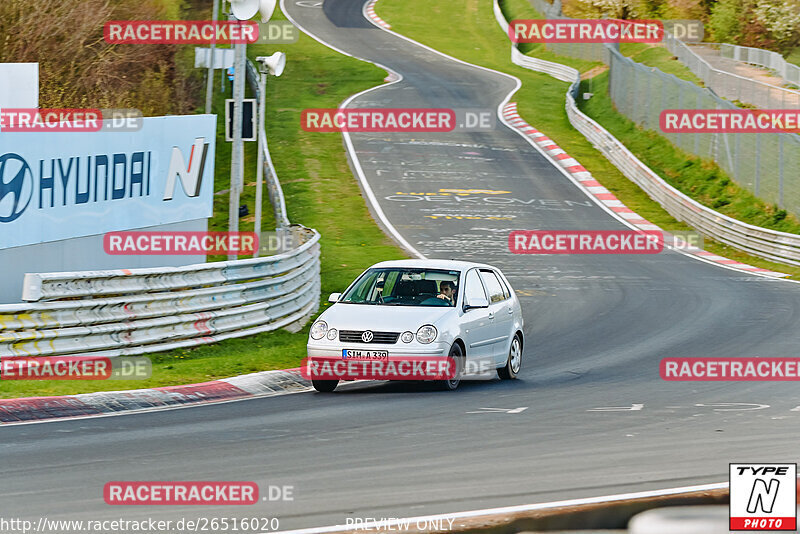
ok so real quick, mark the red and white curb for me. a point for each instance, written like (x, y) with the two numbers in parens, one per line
(370, 10)
(105, 403)
(607, 198)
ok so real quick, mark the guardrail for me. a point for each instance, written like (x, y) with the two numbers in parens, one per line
(732, 86)
(556, 70)
(770, 244)
(764, 58)
(148, 310)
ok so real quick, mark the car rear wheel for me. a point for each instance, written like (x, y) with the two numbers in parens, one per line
(324, 386)
(514, 361)
(458, 356)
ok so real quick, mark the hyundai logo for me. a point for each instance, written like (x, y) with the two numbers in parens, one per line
(367, 336)
(16, 186)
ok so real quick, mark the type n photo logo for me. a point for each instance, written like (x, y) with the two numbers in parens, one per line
(763, 497)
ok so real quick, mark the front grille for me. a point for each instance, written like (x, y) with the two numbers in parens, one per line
(354, 336)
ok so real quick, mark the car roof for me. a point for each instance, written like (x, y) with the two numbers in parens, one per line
(434, 264)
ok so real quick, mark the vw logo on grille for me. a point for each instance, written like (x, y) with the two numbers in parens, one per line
(367, 336)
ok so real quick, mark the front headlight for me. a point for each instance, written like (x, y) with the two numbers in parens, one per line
(426, 334)
(318, 329)
(332, 334)
(407, 337)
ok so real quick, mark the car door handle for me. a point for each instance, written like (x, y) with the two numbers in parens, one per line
(491, 315)
(510, 311)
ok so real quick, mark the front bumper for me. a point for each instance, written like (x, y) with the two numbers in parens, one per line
(334, 350)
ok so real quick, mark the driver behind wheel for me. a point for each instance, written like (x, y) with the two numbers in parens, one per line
(446, 291)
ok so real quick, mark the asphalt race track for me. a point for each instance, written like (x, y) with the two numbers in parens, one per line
(596, 329)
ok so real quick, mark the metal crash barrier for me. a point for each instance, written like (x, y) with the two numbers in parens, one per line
(138, 311)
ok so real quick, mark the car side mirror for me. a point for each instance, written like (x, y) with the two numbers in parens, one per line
(334, 297)
(476, 303)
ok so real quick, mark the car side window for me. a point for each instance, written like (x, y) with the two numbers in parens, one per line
(474, 287)
(506, 291)
(493, 286)
(363, 288)
(389, 283)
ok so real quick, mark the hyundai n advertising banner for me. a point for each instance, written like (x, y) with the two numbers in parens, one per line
(59, 185)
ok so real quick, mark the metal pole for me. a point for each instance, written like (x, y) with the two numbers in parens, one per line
(736, 169)
(780, 170)
(680, 135)
(758, 163)
(210, 81)
(237, 152)
(262, 111)
(697, 105)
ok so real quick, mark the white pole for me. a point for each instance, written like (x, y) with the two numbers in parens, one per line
(262, 111)
(210, 81)
(237, 152)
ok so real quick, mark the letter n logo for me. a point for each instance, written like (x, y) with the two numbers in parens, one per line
(763, 496)
(192, 176)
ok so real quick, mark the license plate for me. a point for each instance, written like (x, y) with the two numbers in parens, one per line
(365, 354)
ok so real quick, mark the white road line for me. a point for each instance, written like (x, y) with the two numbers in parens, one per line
(631, 408)
(501, 410)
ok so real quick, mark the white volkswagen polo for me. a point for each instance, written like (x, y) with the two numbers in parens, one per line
(423, 308)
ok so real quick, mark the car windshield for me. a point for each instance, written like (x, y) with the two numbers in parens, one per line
(403, 286)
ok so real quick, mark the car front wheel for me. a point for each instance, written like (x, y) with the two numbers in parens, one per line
(458, 356)
(514, 361)
(324, 386)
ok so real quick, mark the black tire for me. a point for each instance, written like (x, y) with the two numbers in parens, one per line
(458, 355)
(325, 386)
(514, 360)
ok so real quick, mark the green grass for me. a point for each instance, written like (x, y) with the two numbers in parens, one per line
(320, 192)
(660, 58)
(794, 57)
(541, 98)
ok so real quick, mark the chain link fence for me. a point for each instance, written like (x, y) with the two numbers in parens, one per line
(765, 58)
(729, 85)
(767, 164)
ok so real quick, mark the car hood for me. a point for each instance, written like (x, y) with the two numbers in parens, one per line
(382, 318)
